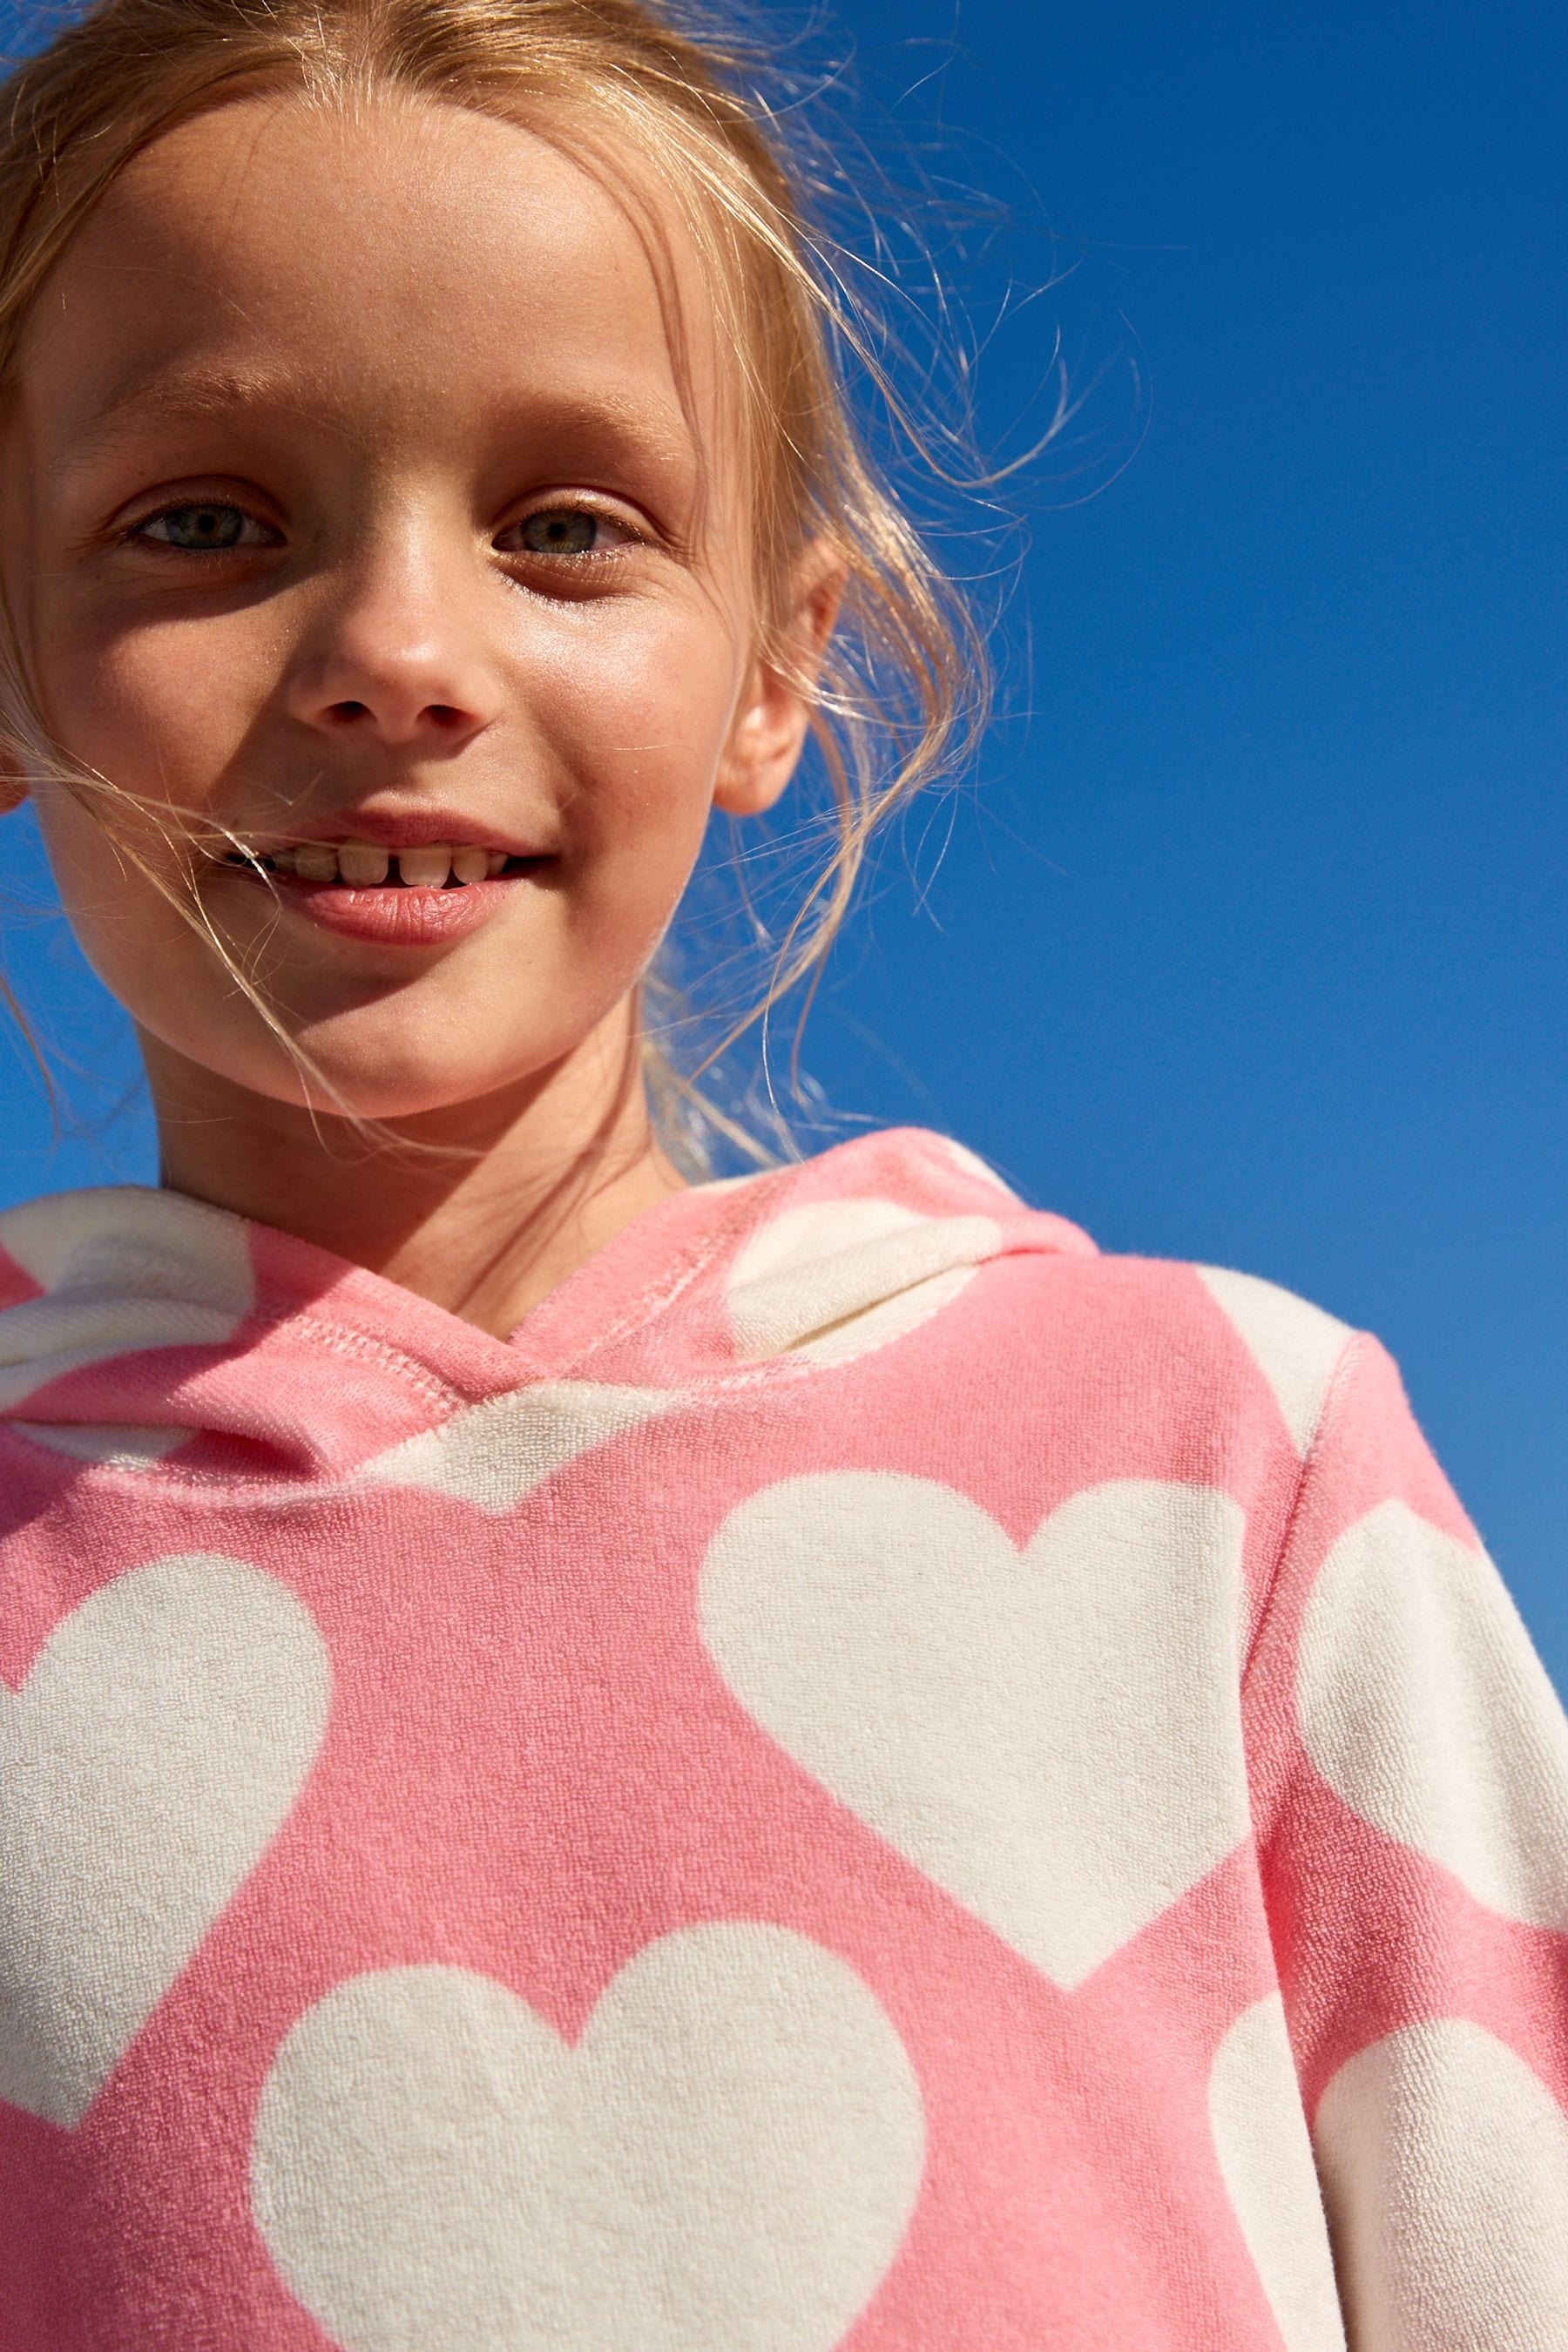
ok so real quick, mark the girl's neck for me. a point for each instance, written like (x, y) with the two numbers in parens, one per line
(482, 1209)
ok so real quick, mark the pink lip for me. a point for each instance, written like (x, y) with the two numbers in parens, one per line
(389, 829)
(398, 917)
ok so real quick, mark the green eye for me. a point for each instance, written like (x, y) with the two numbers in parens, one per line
(560, 531)
(198, 527)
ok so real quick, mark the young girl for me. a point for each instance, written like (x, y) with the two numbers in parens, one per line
(594, 1763)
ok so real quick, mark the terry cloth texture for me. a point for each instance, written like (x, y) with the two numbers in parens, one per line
(872, 1778)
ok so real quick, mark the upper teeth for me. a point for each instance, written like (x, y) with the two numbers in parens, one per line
(363, 864)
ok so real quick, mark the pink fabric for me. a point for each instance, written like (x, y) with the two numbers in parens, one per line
(863, 1782)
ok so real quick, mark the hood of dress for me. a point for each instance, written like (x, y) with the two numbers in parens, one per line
(143, 1330)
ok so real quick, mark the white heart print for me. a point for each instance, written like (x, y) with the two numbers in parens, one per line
(1052, 1734)
(833, 1280)
(1408, 1627)
(1295, 1347)
(146, 1763)
(121, 1270)
(1265, 2158)
(492, 1455)
(729, 2155)
(1445, 2166)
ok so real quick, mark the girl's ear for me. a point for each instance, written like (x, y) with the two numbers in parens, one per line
(768, 732)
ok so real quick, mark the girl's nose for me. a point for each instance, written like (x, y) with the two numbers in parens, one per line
(395, 660)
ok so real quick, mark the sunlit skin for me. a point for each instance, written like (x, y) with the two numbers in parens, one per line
(401, 355)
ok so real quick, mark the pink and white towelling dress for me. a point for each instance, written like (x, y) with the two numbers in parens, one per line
(873, 1780)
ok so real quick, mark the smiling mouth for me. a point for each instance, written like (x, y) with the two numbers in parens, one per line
(365, 865)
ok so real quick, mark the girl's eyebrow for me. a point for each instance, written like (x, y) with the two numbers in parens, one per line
(197, 397)
(605, 424)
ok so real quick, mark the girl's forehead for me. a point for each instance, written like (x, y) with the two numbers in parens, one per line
(396, 264)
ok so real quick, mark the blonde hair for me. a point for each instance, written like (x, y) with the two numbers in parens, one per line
(902, 685)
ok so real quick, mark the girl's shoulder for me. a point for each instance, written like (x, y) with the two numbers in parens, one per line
(905, 1214)
(994, 1347)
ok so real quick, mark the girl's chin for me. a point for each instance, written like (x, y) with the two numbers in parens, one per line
(426, 1055)
(383, 1081)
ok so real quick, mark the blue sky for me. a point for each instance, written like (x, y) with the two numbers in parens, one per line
(1248, 942)
(1252, 945)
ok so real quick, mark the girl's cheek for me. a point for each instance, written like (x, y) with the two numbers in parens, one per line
(642, 711)
(137, 943)
(159, 712)
(158, 715)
